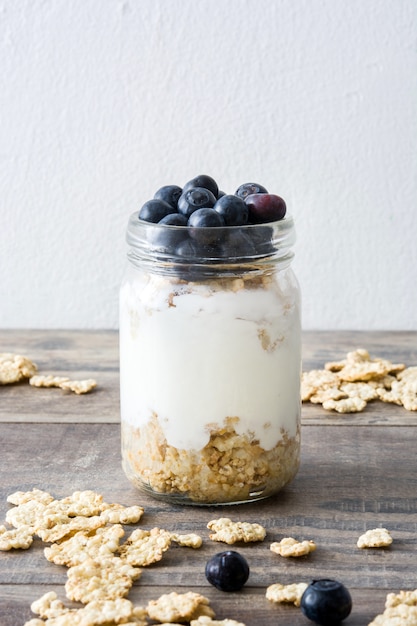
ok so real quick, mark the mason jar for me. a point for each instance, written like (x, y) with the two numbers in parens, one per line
(210, 361)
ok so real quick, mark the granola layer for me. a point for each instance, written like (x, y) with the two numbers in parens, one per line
(230, 468)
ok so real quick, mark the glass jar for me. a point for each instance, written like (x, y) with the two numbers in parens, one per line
(210, 361)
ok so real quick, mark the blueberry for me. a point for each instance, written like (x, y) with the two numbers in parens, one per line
(265, 207)
(326, 602)
(238, 245)
(207, 182)
(249, 188)
(233, 210)
(203, 225)
(170, 194)
(174, 219)
(154, 210)
(195, 198)
(227, 571)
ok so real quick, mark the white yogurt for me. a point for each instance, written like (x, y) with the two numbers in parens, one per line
(195, 355)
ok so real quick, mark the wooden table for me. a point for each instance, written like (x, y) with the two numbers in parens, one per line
(357, 472)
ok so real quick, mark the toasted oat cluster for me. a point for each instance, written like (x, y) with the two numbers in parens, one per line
(375, 538)
(230, 532)
(289, 547)
(348, 385)
(400, 610)
(228, 469)
(287, 594)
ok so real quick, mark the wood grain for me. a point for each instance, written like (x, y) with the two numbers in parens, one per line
(356, 473)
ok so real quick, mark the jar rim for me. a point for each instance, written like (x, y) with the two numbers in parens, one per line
(214, 245)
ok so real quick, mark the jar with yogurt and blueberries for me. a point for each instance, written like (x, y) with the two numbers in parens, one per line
(210, 345)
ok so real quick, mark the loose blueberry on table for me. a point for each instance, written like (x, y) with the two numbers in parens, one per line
(227, 571)
(326, 602)
(200, 209)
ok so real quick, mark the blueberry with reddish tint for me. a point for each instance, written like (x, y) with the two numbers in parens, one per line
(265, 207)
(195, 198)
(170, 194)
(249, 188)
(326, 602)
(233, 210)
(154, 210)
(227, 571)
(207, 182)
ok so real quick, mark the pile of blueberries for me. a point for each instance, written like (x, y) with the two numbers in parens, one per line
(200, 209)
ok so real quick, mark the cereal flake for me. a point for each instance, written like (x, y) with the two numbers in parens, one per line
(144, 547)
(179, 607)
(230, 532)
(14, 367)
(288, 594)
(289, 547)
(375, 538)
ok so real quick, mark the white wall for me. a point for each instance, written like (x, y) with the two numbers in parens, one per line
(104, 101)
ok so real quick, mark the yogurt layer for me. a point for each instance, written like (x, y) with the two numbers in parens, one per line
(196, 354)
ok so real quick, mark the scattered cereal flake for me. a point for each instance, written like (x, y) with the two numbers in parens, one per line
(403, 597)
(81, 546)
(327, 393)
(63, 382)
(365, 391)
(42, 380)
(107, 579)
(401, 615)
(119, 514)
(230, 532)
(14, 367)
(204, 620)
(16, 538)
(375, 538)
(345, 405)
(358, 366)
(48, 606)
(172, 607)
(95, 613)
(26, 514)
(403, 390)
(190, 540)
(144, 547)
(291, 547)
(286, 593)
(56, 527)
(317, 380)
(86, 503)
(21, 497)
(79, 386)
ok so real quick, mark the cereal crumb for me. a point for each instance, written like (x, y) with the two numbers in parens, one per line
(291, 594)
(291, 547)
(14, 367)
(345, 405)
(375, 538)
(179, 607)
(230, 532)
